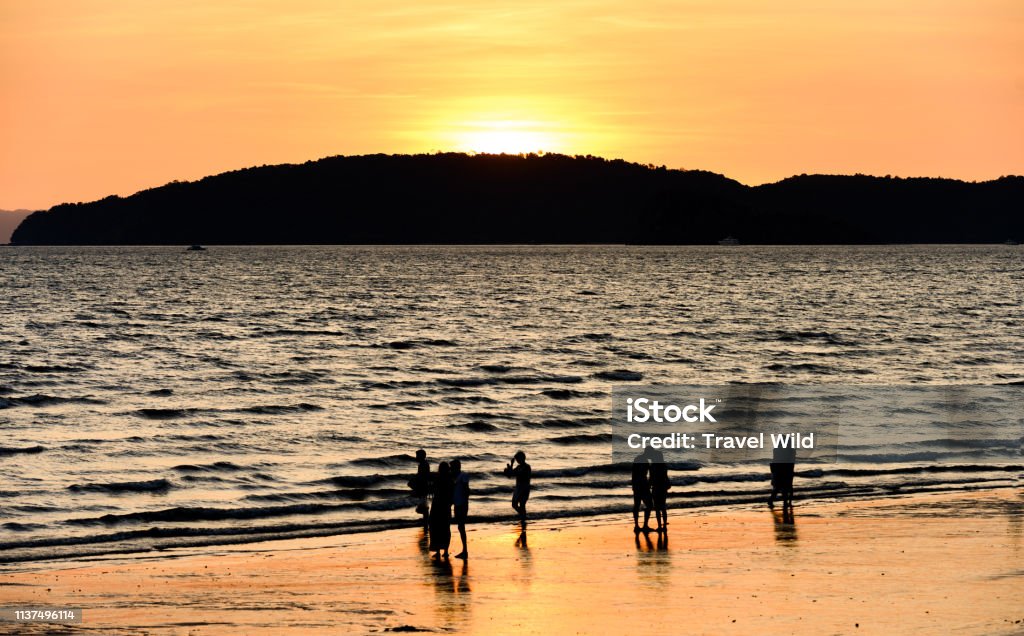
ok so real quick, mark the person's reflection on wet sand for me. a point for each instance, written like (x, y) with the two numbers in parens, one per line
(521, 541)
(647, 545)
(654, 561)
(462, 583)
(423, 539)
(525, 558)
(451, 590)
(785, 527)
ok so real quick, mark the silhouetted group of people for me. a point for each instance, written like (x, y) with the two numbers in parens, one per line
(449, 488)
(650, 482)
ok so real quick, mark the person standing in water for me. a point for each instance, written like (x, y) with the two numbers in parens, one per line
(641, 491)
(521, 493)
(460, 501)
(441, 512)
(659, 489)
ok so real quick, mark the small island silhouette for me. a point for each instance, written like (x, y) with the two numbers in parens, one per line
(537, 198)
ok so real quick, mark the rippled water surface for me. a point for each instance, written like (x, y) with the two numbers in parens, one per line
(149, 394)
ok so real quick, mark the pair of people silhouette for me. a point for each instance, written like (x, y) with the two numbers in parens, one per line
(651, 483)
(450, 487)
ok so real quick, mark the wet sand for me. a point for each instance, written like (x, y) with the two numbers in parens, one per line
(944, 563)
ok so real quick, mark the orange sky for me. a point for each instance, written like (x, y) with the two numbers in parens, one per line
(108, 96)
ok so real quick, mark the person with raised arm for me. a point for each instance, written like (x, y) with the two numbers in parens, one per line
(521, 493)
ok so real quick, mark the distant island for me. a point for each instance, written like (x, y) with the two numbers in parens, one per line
(458, 198)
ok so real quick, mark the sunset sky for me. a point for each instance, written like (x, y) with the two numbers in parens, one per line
(108, 96)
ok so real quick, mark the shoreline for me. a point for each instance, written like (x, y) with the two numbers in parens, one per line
(926, 562)
(157, 540)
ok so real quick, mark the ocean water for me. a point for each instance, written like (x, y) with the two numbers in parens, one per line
(152, 397)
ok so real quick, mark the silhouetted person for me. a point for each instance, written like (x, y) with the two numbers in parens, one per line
(659, 489)
(460, 501)
(521, 493)
(782, 466)
(641, 491)
(441, 512)
(420, 484)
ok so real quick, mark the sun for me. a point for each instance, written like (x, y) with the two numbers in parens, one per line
(506, 137)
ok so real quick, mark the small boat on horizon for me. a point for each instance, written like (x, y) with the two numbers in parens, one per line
(729, 240)
(195, 248)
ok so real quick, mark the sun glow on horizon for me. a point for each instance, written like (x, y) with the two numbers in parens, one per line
(507, 137)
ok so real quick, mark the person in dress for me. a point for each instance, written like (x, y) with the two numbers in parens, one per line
(441, 512)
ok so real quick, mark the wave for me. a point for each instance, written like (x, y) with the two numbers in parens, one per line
(285, 377)
(823, 337)
(496, 368)
(275, 409)
(476, 426)
(401, 459)
(909, 470)
(199, 513)
(391, 384)
(45, 400)
(804, 367)
(167, 414)
(361, 481)
(594, 438)
(14, 526)
(419, 342)
(469, 399)
(620, 375)
(564, 423)
(52, 368)
(349, 494)
(297, 332)
(589, 337)
(154, 486)
(563, 394)
(205, 468)
(330, 436)
(510, 379)
(269, 409)
(15, 450)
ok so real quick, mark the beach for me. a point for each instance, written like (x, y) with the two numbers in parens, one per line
(928, 563)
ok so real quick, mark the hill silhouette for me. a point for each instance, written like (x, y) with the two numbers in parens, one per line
(458, 198)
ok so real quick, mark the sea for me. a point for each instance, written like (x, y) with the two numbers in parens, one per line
(154, 398)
